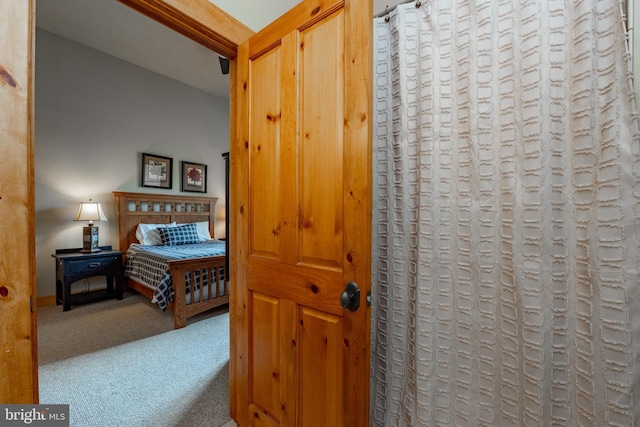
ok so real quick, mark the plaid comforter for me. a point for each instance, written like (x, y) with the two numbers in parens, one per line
(148, 264)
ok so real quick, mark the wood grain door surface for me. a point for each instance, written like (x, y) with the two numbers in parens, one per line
(18, 350)
(300, 220)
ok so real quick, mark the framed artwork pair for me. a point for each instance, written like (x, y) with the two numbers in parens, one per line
(157, 172)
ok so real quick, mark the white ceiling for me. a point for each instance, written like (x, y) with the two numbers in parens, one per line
(117, 30)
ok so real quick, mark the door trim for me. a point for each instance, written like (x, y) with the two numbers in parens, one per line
(199, 20)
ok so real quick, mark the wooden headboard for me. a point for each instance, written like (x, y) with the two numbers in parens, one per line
(144, 208)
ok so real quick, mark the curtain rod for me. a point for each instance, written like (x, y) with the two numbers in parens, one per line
(627, 8)
(387, 9)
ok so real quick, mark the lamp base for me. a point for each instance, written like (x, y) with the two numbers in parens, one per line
(90, 239)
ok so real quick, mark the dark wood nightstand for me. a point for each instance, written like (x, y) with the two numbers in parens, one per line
(73, 265)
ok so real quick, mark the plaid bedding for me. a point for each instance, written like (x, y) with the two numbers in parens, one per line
(148, 264)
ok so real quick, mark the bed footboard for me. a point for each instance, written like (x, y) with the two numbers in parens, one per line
(212, 293)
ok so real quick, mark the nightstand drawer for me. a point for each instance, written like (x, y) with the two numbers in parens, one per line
(95, 266)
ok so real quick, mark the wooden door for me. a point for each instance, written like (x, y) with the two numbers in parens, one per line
(18, 351)
(301, 218)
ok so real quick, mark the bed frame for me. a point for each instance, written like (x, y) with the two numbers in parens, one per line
(140, 208)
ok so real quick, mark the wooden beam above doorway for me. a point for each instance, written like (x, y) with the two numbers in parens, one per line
(200, 20)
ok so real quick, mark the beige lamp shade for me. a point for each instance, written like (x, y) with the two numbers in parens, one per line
(90, 211)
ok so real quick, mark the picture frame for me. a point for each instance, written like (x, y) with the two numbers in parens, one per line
(194, 177)
(157, 171)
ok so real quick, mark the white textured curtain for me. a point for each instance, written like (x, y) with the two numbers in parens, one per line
(506, 216)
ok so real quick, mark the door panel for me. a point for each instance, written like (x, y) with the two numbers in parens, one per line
(321, 368)
(265, 340)
(265, 156)
(321, 122)
(301, 220)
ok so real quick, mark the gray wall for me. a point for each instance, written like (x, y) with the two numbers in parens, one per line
(95, 115)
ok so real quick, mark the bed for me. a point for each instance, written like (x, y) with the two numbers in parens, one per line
(193, 281)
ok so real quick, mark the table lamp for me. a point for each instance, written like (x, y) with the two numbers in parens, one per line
(90, 211)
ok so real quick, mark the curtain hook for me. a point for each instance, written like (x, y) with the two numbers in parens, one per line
(386, 13)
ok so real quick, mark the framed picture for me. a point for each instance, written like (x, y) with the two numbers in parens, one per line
(157, 171)
(194, 177)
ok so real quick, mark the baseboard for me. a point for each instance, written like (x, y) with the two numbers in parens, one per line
(45, 301)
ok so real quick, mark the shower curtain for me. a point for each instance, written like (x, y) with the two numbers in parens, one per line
(506, 216)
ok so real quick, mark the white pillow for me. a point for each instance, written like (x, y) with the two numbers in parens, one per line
(147, 234)
(203, 230)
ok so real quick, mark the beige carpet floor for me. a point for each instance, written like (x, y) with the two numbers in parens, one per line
(121, 363)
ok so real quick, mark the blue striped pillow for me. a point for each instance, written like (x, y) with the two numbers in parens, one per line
(179, 235)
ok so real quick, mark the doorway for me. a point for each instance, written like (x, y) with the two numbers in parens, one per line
(107, 151)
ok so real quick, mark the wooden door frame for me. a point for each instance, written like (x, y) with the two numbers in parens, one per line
(18, 337)
(199, 20)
